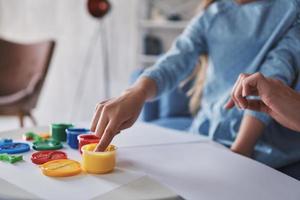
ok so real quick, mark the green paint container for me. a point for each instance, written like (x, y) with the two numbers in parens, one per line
(58, 131)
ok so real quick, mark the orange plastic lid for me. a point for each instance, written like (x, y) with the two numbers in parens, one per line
(61, 168)
(45, 135)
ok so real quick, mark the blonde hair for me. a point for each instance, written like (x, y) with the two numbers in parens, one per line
(206, 3)
(198, 75)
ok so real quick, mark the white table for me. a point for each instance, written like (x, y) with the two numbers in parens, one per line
(181, 164)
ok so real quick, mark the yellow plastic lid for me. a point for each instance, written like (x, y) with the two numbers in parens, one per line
(61, 168)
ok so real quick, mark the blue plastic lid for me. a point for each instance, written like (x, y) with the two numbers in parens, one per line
(14, 148)
(77, 131)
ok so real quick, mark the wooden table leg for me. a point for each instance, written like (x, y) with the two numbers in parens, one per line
(21, 119)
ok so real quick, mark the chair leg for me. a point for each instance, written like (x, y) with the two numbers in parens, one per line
(21, 119)
(33, 120)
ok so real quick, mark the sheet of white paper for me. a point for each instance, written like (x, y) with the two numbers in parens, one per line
(28, 176)
(142, 134)
(204, 171)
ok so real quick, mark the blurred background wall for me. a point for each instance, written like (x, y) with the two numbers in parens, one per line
(68, 22)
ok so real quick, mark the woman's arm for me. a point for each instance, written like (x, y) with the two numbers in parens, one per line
(250, 131)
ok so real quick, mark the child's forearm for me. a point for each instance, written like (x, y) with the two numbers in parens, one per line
(250, 131)
(146, 88)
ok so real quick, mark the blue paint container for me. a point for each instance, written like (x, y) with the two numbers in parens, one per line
(72, 136)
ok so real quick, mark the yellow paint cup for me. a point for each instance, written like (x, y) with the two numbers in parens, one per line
(98, 162)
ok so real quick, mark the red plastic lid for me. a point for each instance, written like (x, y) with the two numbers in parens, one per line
(89, 137)
(42, 157)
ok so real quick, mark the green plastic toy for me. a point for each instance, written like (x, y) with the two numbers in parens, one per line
(32, 136)
(11, 158)
(47, 145)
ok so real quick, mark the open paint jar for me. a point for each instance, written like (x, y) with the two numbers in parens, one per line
(98, 162)
(72, 136)
(87, 139)
(58, 131)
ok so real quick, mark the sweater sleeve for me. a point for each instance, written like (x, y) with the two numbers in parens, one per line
(181, 59)
(282, 62)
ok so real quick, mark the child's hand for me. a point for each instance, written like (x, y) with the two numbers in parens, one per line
(114, 115)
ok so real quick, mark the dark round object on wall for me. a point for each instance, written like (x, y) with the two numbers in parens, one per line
(98, 8)
(175, 17)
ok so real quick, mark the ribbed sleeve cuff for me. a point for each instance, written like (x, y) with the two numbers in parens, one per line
(156, 76)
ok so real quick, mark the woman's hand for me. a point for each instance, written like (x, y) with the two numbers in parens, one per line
(114, 115)
(276, 99)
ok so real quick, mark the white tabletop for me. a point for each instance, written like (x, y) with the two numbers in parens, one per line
(183, 164)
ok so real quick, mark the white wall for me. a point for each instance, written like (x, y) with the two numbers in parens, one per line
(68, 22)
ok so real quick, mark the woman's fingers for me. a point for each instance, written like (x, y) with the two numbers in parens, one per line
(233, 91)
(230, 104)
(257, 105)
(232, 101)
(246, 85)
(250, 84)
(110, 131)
(238, 93)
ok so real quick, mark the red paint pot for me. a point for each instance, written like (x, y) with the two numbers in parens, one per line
(87, 139)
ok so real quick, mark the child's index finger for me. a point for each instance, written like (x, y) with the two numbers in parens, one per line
(99, 148)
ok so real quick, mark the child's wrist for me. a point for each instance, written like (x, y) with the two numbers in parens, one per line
(138, 92)
(145, 88)
(242, 151)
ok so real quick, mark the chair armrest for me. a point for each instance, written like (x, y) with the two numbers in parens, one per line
(12, 98)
